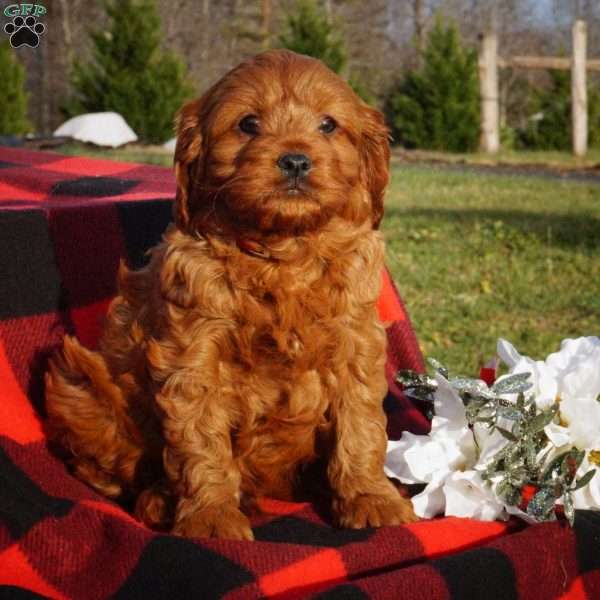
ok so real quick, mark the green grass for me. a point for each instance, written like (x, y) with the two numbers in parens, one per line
(479, 256)
(538, 158)
(154, 155)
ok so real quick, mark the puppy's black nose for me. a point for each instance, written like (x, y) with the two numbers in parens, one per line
(294, 165)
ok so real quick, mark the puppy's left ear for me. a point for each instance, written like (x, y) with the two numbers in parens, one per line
(375, 154)
(188, 154)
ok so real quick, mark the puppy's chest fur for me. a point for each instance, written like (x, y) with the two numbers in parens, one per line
(298, 325)
(294, 316)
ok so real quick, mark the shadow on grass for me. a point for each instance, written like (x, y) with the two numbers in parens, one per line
(552, 229)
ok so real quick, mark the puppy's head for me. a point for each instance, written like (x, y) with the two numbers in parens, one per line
(279, 146)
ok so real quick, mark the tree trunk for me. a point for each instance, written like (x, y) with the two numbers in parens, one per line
(419, 23)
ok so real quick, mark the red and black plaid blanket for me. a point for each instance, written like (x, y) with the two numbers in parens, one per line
(64, 224)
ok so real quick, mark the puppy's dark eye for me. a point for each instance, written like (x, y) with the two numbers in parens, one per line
(250, 125)
(328, 125)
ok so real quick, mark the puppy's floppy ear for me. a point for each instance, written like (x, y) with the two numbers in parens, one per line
(375, 154)
(188, 155)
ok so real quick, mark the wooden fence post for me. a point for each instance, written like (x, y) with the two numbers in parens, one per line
(488, 86)
(579, 88)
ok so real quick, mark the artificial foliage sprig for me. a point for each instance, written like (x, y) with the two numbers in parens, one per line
(523, 463)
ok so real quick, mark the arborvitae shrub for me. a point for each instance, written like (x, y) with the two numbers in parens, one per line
(130, 74)
(13, 99)
(437, 106)
(550, 126)
(307, 30)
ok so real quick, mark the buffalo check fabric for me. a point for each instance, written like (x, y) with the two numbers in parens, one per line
(64, 224)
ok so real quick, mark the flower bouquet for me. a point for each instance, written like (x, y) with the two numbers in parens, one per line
(525, 444)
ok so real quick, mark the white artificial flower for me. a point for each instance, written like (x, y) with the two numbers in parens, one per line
(449, 447)
(467, 495)
(417, 458)
(570, 377)
(451, 458)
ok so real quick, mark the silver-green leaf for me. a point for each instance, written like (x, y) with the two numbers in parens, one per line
(584, 480)
(512, 384)
(540, 421)
(569, 508)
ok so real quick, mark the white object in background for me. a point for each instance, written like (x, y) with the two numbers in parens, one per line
(170, 145)
(103, 129)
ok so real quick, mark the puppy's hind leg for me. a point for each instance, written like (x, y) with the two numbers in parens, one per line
(87, 415)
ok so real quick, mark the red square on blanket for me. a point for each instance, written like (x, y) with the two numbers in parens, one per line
(88, 321)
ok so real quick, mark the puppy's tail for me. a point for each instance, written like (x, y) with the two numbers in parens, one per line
(87, 416)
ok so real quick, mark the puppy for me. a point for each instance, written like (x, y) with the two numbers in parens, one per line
(250, 346)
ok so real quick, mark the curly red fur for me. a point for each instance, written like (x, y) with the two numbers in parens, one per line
(222, 372)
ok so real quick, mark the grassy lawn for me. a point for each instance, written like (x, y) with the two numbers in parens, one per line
(478, 256)
(153, 155)
(537, 158)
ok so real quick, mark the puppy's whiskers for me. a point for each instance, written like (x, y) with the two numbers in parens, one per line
(214, 193)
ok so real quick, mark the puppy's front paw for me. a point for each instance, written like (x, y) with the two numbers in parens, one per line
(225, 522)
(373, 510)
(155, 507)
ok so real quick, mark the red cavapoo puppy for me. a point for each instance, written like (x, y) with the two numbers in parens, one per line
(250, 346)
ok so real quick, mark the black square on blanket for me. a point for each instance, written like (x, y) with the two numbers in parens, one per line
(28, 271)
(93, 187)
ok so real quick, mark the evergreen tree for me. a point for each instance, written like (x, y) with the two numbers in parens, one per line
(309, 31)
(437, 106)
(129, 74)
(551, 128)
(13, 99)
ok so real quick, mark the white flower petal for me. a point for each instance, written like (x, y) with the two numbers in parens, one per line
(558, 435)
(545, 386)
(430, 502)
(395, 462)
(582, 380)
(582, 418)
(419, 458)
(488, 443)
(448, 404)
(467, 495)
(507, 353)
(572, 352)
(433, 457)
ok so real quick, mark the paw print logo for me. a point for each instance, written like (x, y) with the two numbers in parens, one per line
(24, 32)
